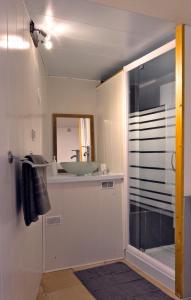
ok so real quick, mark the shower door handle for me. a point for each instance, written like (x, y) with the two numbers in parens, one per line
(172, 161)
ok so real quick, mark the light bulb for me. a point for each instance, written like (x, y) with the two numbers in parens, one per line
(48, 45)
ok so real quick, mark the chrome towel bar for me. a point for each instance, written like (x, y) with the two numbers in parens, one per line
(12, 157)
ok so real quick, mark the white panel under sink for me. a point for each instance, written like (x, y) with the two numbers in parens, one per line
(92, 224)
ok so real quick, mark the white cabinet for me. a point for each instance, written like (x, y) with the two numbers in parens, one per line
(91, 224)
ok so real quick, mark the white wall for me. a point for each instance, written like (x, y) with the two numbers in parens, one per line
(21, 109)
(110, 123)
(68, 96)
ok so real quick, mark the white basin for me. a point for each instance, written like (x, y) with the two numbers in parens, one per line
(80, 168)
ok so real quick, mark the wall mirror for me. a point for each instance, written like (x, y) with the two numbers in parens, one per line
(73, 137)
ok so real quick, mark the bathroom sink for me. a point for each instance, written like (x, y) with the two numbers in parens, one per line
(80, 168)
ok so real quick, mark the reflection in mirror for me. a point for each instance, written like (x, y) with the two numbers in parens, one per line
(73, 137)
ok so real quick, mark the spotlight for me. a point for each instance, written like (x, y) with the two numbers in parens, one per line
(38, 35)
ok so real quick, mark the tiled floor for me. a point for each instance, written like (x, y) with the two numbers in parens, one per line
(64, 285)
(164, 254)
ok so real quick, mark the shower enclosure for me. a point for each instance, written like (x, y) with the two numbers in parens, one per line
(150, 91)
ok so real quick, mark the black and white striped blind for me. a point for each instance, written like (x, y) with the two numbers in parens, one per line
(151, 159)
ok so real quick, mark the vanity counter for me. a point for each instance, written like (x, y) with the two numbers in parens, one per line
(66, 178)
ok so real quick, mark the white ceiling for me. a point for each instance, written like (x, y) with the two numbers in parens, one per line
(98, 40)
(178, 11)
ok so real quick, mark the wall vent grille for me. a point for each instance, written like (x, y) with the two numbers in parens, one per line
(54, 220)
(107, 185)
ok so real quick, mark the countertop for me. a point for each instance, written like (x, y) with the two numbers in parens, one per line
(62, 178)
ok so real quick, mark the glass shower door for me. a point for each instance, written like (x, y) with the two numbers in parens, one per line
(151, 161)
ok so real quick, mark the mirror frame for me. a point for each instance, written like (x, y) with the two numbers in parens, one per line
(54, 127)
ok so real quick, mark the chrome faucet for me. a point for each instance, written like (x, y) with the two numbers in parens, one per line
(87, 153)
(77, 155)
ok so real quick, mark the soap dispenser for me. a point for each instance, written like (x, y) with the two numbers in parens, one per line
(54, 166)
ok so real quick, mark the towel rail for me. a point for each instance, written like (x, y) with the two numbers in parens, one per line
(35, 165)
(12, 157)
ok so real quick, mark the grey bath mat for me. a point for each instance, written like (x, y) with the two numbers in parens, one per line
(118, 282)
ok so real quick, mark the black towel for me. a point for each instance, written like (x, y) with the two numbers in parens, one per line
(35, 196)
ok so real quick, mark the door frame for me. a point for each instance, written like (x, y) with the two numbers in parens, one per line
(147, 264)
(179, 232)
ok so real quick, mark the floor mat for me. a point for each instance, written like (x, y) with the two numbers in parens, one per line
(118, 282)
